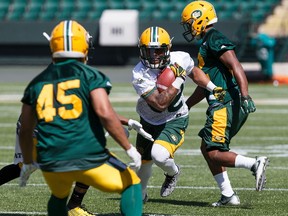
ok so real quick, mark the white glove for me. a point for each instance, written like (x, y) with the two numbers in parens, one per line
(135, 157)
(26, 171)
(133, 124)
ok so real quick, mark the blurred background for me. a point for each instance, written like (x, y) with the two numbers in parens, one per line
(258, 28)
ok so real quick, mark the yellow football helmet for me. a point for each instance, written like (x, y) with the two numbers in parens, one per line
(69, 40)
(155, 44)
(195, 17)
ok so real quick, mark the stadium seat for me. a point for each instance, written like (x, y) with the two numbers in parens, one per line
(83, 6)
(158, 15)
(66, 6)
(225, 15)
(145, 15)
(79, 15)
(47, 15)
(31, 15)
(4, 7)
(149, 6)
(179, 5)
(62, 15)
(16, 10)
(94, 15)
(98, 7)
(133, 4)
(116, 4)
(165, 7)
(174, 16)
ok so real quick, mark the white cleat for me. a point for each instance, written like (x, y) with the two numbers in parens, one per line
(258, 170)
(227, 201)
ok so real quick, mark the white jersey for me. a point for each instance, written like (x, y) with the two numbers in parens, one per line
(144, 81)
(18, 153)
(18, 158)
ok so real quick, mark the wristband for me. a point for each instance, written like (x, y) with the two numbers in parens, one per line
(210, 86)
(178, 82)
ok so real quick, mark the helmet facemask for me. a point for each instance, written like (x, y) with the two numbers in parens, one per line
(155, 57)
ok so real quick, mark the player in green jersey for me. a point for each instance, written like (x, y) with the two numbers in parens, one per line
(69, 103)
(216, 57)
(75, 206)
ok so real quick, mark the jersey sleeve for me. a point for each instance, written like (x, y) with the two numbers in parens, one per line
(143, 81)
(99, 80)
(29, 96)
(218, 44)
(183, 59)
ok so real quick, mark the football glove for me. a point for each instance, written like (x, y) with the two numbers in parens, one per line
(137, 126)
(178, 70)
(219, 93)
(247, 104)
(26, 171)
(135, 157)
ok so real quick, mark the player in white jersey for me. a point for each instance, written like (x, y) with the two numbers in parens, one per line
(164, 115)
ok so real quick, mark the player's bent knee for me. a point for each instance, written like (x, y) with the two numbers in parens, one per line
(159, 154)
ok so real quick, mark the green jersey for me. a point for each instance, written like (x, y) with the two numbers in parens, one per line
(70, 134)
(213, 45)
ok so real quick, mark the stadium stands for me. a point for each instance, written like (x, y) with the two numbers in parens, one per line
(248, 16)
(149, 9)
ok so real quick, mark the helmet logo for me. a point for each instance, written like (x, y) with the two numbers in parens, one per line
(196, 14)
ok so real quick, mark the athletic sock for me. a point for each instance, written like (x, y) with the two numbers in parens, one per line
(57, 207)
(131, 201)
(244, 162)
(224, 184)
(77, 196)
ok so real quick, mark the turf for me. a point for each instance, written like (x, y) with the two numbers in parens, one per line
(265, 133)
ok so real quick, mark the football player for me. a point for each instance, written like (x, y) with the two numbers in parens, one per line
(163, 115)
(225, 118)
(75, 206)
(69, 104)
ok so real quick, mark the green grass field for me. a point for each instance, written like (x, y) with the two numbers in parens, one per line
(265, 133)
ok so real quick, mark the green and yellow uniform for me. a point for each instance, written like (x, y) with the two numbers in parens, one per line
(71, 142)
(225, 119)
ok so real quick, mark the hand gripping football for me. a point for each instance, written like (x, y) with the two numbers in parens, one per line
(165, 79)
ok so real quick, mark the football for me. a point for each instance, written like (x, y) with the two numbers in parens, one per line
(165, 79)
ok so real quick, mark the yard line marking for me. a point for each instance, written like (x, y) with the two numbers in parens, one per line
(216, 188)
(21, 213)
(45, 213)
(128, 97)
(179, 187)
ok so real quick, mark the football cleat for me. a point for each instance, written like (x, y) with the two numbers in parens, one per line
(169, 184)
(227, 201)
(258, 170)
(80, 211)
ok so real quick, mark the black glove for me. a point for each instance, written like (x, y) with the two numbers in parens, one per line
(247, 104)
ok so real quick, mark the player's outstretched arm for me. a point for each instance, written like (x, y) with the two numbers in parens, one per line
(112, 124)
(135, 125)
(28, 123)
